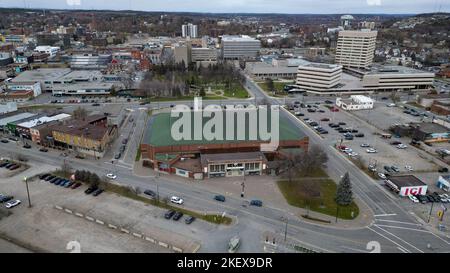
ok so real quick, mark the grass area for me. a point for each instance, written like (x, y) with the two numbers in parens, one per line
(182, 98)
(317, 194)
(131, 194)
(278, 88)
(138, 154)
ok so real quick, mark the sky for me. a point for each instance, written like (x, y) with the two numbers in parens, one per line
(246, 6)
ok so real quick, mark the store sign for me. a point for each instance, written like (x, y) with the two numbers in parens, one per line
(421, 190)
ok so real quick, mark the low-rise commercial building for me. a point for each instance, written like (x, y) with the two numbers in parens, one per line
(5, 119)
(24, 129)
(406, 185)
(430, 132)
(8, 107)
(90, 136)
(355, 102)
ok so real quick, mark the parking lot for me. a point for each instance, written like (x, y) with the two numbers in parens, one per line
(386, 154)
(49, 229)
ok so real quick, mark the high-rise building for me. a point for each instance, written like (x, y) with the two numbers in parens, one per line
(189, 30)
(355, 48)
(240, 47)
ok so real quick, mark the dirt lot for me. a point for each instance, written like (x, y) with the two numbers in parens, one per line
(45, 228)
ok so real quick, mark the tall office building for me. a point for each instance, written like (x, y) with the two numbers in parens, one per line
(189, 30)
(355, 48)
(237, 47)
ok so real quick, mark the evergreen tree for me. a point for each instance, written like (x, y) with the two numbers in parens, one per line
(344, 194)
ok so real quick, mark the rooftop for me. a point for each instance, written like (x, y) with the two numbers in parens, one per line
(158, 132)
(432, 128)
(406, 181)
(42, 120)
(232, 157)
(41, 74)
(6, 120)
(395, 69)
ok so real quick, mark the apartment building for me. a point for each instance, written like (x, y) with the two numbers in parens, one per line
(189, 30)
(355, 48)
(318, 76)
(239, 47)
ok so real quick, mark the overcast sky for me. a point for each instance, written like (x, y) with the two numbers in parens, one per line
(247, 6)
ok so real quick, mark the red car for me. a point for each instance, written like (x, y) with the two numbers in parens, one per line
(334, 109)
(76, 185)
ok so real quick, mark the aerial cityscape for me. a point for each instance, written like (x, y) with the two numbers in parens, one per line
(264, 127)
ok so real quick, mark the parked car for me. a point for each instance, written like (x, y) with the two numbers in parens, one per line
(365, 145)
(359, 135)
(50, 177)
(12, 203)
(176, 200)
(91, 189)
(256, 203)
(150, 193)
(118, 156)
(98, 192)
(409, 168)
(4, 141)
(387, 168)
(44, 150)
(395, 168)
(401, 146)
(14, 167)
(189, 220)
(422, 199)
(219, 198)
(396, 142)
(325, 119)
(76, 185)
(443, 170)
(43, 176)
(5, 198)
(169, 214)
(177, 216)
(382, 175)
(371, 151)
(413, 198)
(27, 146)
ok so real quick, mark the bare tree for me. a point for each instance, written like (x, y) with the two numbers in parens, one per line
(80, 113)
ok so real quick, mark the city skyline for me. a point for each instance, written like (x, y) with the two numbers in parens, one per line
(246, 6)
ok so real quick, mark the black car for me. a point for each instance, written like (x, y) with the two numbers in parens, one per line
(314, 124)
(9, 165)
(384, 98)
(169, 214)
(311, 110)
(359, 135)
(27, 146)
(219, 198)
(177, 216)
(256, 203)
(44, 176)
(422, 199)
(117, 156)
(5, 198)
(2, 165)
(323, 132)
(54, 180)
(4, 141)
(98, 192)
(150, 193)
(348, 137)
(44, 150)
(59, 181)
(189, 220)
(50, 177)
(328, 102)
(342, 123)
(91, 190)
(387, 168)
(443, 170)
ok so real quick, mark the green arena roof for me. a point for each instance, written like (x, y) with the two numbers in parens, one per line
(158, 132)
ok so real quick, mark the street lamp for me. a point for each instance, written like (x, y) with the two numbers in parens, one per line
(28, 191)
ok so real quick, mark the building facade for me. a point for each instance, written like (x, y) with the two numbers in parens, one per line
(318, 76)
(239, 47)
(356, 48)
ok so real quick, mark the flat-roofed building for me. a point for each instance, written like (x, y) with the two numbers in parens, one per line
(355, 102)
(24, 129)
(239, 47)
(202, 54)
(399, 78)
(262, 70)
(5, 119)
(318, 76)
(356, 48)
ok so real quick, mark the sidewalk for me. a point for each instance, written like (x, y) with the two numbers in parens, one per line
(264, 188)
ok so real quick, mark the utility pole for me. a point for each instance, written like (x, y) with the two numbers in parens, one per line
(243, 188)
(431, 211)
(28, 191)
(285, 229)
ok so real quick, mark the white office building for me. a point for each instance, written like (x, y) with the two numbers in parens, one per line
(318, 76)
(50, 50)
(397, 78)
(355, 48)
(239, 47)
(189, 30)
(355, 102)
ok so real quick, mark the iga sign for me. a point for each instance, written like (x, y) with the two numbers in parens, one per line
(419, 190)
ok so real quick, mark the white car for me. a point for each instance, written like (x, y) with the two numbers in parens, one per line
(371, 151)
(381, 175)
(402, 146)
(111, 176)
(176, 200)
(353, 154)
(348, 150)
(409, 168)
(12, 203)
(365, 145)
(391, 105)
(413, 198)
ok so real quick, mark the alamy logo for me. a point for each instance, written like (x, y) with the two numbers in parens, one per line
(231, 123)
(73, 2)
